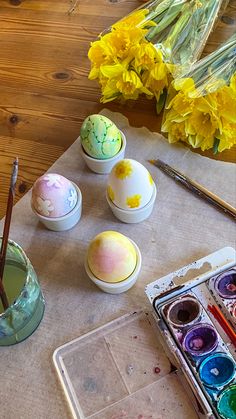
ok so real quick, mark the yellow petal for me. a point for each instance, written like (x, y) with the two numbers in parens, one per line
(185, 84)
(111, 71)
(94, 73)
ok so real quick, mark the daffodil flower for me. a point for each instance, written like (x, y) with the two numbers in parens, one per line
(141, 53)
(200, 109)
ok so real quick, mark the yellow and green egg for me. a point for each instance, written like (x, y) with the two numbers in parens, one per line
(100, 137)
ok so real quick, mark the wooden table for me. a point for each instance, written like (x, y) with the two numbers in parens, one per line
(45, 93)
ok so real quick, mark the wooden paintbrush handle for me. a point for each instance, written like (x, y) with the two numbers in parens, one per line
(210, 197)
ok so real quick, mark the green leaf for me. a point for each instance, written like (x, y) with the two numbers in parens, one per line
(216, 145)
(161, 102)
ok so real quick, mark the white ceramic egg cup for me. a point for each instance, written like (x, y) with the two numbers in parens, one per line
(133, 215)
(67, 221)
(117, 287)
(100, 166)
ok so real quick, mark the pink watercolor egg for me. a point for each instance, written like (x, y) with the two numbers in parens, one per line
(111, 257)
(53, 195)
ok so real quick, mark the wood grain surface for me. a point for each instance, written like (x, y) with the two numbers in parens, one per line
(45, 93)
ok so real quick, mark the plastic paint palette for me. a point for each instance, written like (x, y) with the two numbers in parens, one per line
(191, 334)
(120, 371)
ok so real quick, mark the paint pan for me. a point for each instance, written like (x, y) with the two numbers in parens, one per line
(225, 284)
(223, 289)
(183, 312)
(200, 339)
(217, 370)
(227, 403)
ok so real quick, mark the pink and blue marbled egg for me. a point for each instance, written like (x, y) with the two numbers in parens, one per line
(53, 195)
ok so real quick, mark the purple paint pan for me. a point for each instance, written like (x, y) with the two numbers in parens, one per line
(200, 339)
(225, 284)
(184, 312)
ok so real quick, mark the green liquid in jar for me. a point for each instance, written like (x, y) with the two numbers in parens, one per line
(13, 281)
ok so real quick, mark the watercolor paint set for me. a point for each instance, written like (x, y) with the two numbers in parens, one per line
(189, 316)
(120, 370)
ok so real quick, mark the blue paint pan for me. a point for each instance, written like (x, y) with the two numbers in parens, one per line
(217, 370)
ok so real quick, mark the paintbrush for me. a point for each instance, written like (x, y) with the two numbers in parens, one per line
(196, 188)
(223, 323)
(6, 229)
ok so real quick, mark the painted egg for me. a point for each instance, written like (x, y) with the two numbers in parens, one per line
(130, 185)
(111, 256)
(53, 195)
(100, 138)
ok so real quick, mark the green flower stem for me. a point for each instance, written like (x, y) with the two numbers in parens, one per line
(166, 21)
(207, 17)
(161, 102)
(183, 39)
(164, 5)
(182, 27)
(216, 145)
(177, 29)
(221, 62)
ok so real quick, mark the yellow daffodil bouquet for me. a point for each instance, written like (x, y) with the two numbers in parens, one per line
(140, 53)
(201, 106)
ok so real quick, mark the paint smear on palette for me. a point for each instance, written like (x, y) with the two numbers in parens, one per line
(93, 373)
(138, 354)
(124, 414)
(164, 399)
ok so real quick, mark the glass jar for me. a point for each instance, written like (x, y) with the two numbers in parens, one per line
(26, 301)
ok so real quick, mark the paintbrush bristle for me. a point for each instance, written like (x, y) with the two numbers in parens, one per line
(157, 162)
(14, 173)
(153, 161)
